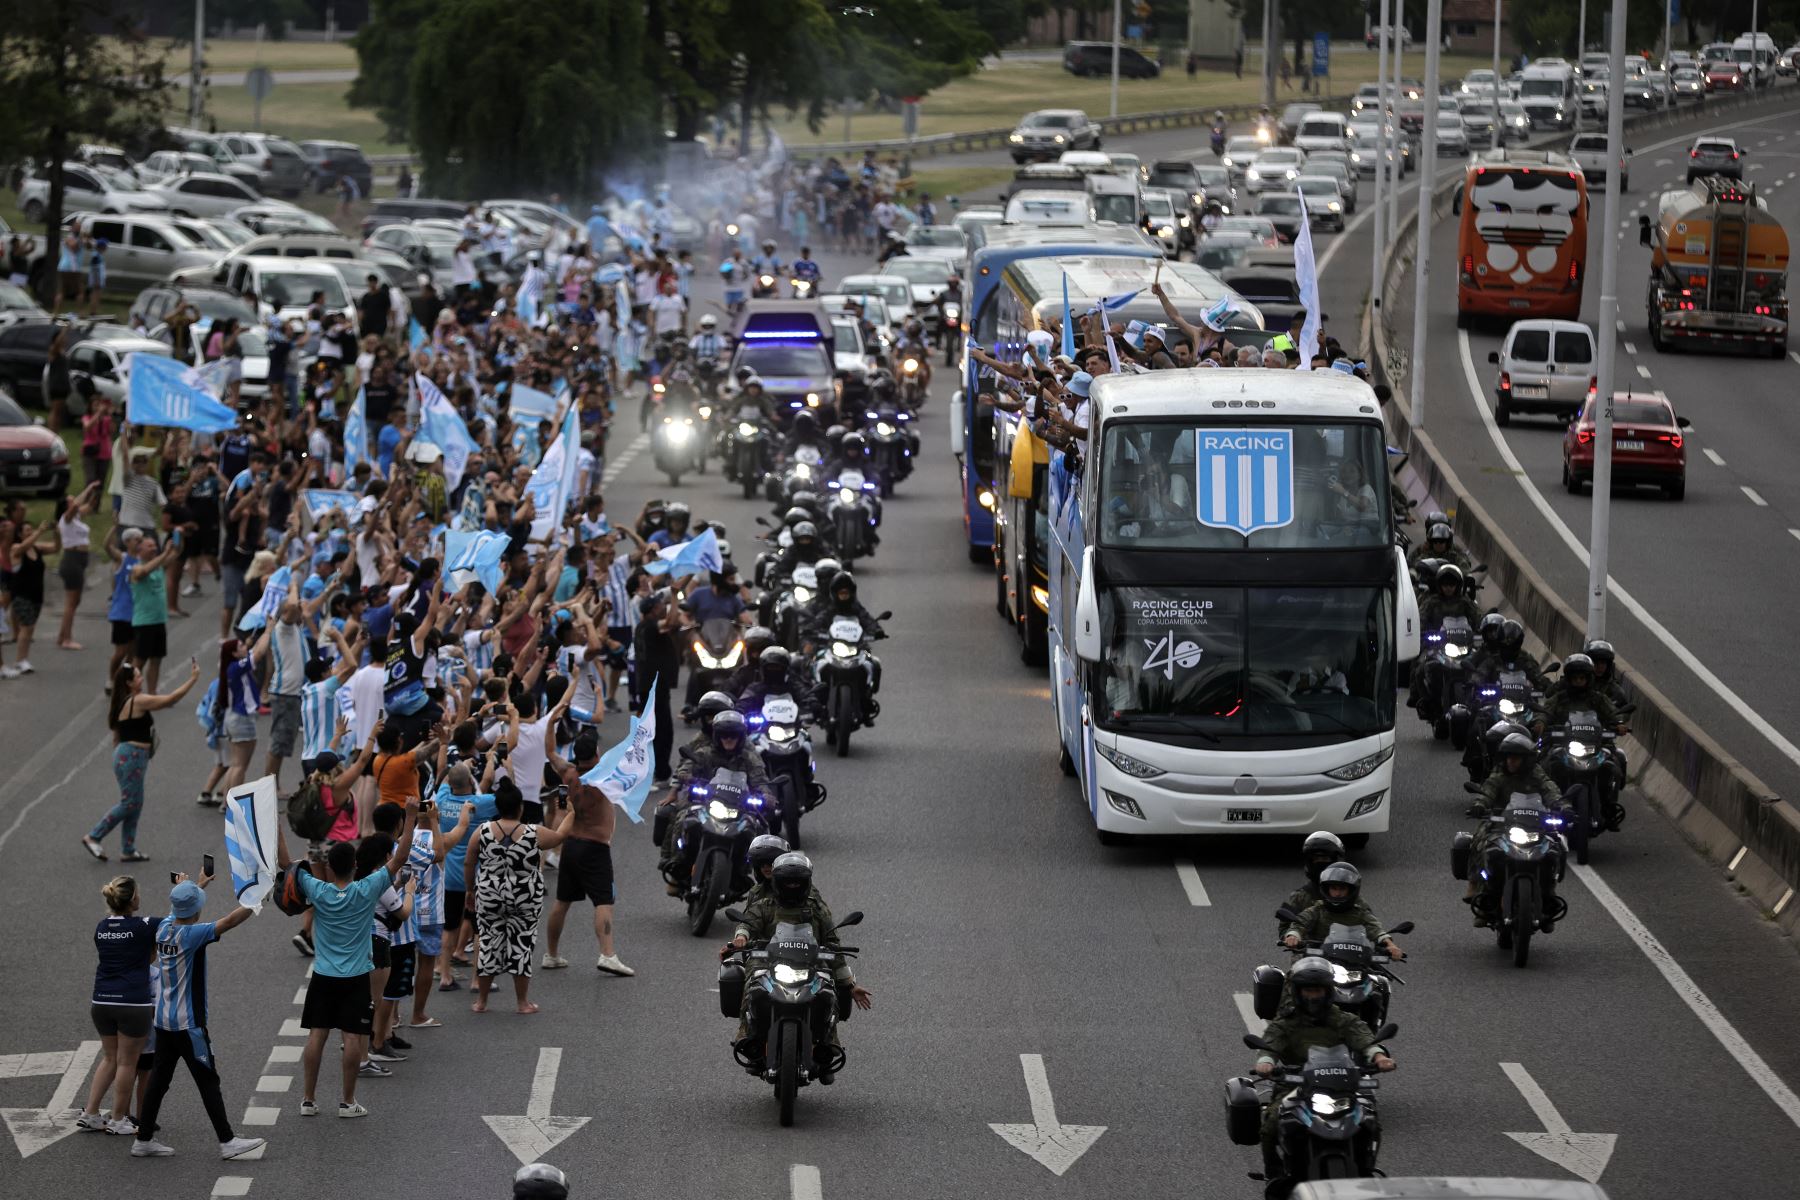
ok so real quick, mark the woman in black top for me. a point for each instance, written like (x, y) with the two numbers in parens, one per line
(135, 738)
(27, 591)
(123, 1006)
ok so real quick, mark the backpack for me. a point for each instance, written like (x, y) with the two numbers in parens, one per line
(307, 813)
(286, 893)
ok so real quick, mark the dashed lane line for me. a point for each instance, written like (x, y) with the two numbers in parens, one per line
(1643, 370)
(1630, 348)
(1713, 456)
(1750, 494)
(1190, 883)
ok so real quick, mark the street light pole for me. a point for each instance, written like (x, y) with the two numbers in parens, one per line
(1600, 533)
(1268, 57)
(1580, 49)
(196, 59)
(1391, 104)
(1434, 45)
(1115, 65)
(1381, 156)
(1496, 70)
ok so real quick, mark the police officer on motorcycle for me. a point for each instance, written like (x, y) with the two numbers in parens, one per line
(1517, 772)
(1320, 850)
(728, 749)
(774, 677)
(1340, 903)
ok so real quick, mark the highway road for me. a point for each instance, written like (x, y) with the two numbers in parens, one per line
(1003, 945)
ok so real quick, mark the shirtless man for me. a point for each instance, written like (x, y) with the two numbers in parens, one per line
(587, 866)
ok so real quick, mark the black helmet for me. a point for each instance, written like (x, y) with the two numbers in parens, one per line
(807, 530)
(825, 570)
(1320, 850)
(1312, 972)
(1439, 532)
(1491, 626)
(711, 705)
(729, 724)
(1340, 873)
(1578, 664)
(791, 878)
(1436, 517)
(1517, 743)
(806, 424)
(1449, 573)
(757, 638)
(1601, 652)
(794, 516)
(841, 582)
(1512, 636)
(678, 508)
(854, 445)
(1498, 731)
(805, 500)
(764, 850)
(774, 661)
(539, 1181)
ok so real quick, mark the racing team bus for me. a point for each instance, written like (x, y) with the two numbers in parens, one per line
(1030, 296)
(971, 420)
(1228, 607)
(1521, 247)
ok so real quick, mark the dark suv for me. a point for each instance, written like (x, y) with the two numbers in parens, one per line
(1180, 175)
(405, 212)
(1095, 58)
(327, 162)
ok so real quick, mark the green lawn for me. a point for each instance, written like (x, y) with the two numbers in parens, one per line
(998, 95)
(303, 110)
(238, 55)
(970, 185)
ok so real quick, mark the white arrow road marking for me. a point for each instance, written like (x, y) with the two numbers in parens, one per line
(35, 1128)
(1246, 1006)
(1190, 882)
(535, 1134)
(232, 1185)
(1583, 1154)
(1053, 1145)
(804, 1184)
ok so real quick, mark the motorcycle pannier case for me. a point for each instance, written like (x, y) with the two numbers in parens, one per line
(731, 989)
(1265, 991)
(1243, 1112)
(1459, 855)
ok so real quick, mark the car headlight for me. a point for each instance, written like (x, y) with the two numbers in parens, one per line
(1166, 231)
(802, 593)
(1186, 222)
(1252, 174)
(812, 399)
(1362, 766)
(1134, 767)
(1293, 174)
(846, 496)
(718, 810)
(1334, 206)
(1327, 1105)
(59, 453)
(1511, 708)
(843, 649)
(1520, 836)
(746, 429)
(883, 429)
(802, 471)
(790, 976)
(1059, 139)
(1579, 750)
(1016, 138)
(780, 733)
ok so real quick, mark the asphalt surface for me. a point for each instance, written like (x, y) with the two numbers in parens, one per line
(996, 927)
(1736, 528)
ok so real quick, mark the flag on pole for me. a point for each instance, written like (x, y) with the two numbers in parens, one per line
(530, 403)
(442, 426)
(1306, 273)
(356, 437)
(275, 590)
(250, 833)
(623, 772)
(171, 394)
(552, 484)
(474, 555)
(1112, 304)
(1068, 324)
(688, 558)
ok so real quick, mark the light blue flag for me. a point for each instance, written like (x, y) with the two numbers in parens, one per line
(1068, 328)
(250, 833)
(170, 394)
(623, 772)
(415, 333)
(356, 437)
(529, 403)
(442, 426)
(275, 590)
(1114, 303)
(320, 501)
(476, 555)
(688, 558)
(1306, 273)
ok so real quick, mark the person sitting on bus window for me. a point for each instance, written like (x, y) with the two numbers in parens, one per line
(1355, 498)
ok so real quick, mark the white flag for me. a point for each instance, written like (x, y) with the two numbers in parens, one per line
(250, 833)
(1306, 273)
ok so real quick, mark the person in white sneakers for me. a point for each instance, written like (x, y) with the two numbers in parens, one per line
(587, 867)
(181, 942)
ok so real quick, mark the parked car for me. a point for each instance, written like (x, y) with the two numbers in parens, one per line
(209, 195)
(1048, 132)
(25, 348)
(1592, 153)
(327, 162)
(1096, 58)
(165, 165)
(401, 211)
(33, 461)
(17, 304)
(145, 248)
(283, 287)
(111, 157)
(280, 167)
(253, 352)
(103, 363)
(278, 216)
(225, 162)
(212, 302)
(86, 189)
(1546, 366)
(1648, 447)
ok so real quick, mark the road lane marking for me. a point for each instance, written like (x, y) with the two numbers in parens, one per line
(1246, 1006)
(1662, 162)
(1754, 498)
(1643, 370)
(1621, 325)
(1713, 456)
(1052, 1144)
(1630, 348)
(1796, 533)
(804, 1183)
(1583, 1154)
(274, 1083)
(1759, 1071)
(1783, 902)
(536, 1132)
(232, 1185)
(1631, 603)
(1190, 882)
(284, 1054)
(1795, 355)
(261, 1116)
(300, 996)
(291, 1028)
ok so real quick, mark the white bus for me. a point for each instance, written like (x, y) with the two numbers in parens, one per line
(1228, 607)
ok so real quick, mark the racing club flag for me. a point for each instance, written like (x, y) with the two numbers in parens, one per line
(623, 772)
(250, 833)
(356, 438)
(163, 392)
(1068, 328)
(474, 555)
(275, 591)
(442, 426)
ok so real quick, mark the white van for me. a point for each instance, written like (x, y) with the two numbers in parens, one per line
(1323, 131)
(1547, 92)
(1756, 53)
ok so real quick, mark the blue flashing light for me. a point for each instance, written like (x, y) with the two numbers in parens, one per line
(782, 335)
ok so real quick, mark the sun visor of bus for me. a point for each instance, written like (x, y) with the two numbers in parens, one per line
(784, 321)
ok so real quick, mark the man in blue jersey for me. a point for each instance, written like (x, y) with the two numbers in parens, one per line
(181, 942)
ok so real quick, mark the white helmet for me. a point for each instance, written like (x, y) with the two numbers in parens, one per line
(709, 321)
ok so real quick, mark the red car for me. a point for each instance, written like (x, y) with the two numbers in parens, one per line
(1647, 446)
(1724, 77)
(33, 461)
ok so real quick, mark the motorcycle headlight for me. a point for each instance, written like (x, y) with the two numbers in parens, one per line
(843, 649)
(732, 658)
(1579, 750)
(1344, 975)
(802, 471)
(718, 810)
(1520, 836)
(1511, 708)
(658, 388)
(1166, 231)
(706, 412)
(846, 495)
(732, 230)
(679, 433)
(766, 280)
(910, 366)
(884, 429)
(1452, 650)
(802, 594)
(1327, 1105)
(1186, 221)
(952, 313)
(780, 733)
(746, 429)
(790, 976)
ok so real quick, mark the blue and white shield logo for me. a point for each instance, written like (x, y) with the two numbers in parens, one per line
(1244, 478)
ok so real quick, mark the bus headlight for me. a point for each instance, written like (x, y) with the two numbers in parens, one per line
(1362, 766)
(1134, 767)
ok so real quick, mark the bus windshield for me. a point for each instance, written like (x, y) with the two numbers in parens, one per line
(1190, 660)
(1168, 485)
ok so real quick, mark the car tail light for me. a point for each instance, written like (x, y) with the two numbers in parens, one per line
(1584, 436)
(1505, 382)
(1468, 264)
(1734, 153)
(1693, 154)
(1593, 384)
(1674, 439)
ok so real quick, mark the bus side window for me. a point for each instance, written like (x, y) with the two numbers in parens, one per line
(981, 448)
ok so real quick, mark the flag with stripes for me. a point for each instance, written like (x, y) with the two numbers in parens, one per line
(250, 833)
(473, 556)
(275, 591)
(356, 437)
(1068, 324)
(531, 289)
(1112, 304)
(623, 773)
(1244, 478)
(552, 484)
(442, 426)
(688, 558)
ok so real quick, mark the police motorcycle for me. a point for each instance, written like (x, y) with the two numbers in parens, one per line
(800, 473)
(1360, 975)
(795, 1000)
(678, 439)
(794, 597)
(892, 443)
(1578, 754)
(1507, 699)
(778, 731)
(722, 817)
(845, 671)
(718, 650)
(1327, 1126)
(1523, 863)
(1445, 662)
(802, 289)
(851, 514)
(744, 451)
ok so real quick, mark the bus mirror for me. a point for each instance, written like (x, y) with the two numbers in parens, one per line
(957, 413)
(1087, 612)
(1456, 202)
(1643, 230)
(1406, 612)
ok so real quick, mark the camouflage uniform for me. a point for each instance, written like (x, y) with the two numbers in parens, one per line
(1423, 551)
(762, 913)
(1292, 1036)
(1559, 702)
(1495, 792)
(1489, 666)
(1316, 921)
(1435, 607)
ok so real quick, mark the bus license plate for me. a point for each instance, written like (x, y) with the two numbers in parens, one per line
(1623, 445)
(1235, 815)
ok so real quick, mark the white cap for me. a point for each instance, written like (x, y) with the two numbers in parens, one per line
(426, 452)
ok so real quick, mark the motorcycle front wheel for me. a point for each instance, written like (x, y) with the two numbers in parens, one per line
(843, 718)
(790, 811)
(703, 901)
(787, 1070)
(1583, 827)
(1521, 918)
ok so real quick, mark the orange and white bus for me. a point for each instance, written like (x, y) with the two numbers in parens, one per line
(1522, 242)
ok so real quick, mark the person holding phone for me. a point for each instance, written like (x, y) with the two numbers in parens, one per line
(134, 738)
